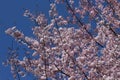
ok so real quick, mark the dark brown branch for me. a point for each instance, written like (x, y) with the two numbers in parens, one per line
(61, 71)
(81, 24)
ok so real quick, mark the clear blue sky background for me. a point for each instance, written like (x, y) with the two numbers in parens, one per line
(11, 13)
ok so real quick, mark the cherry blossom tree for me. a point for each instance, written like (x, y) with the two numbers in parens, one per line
(69, 47)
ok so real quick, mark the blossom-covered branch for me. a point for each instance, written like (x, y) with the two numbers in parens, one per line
(65, 52)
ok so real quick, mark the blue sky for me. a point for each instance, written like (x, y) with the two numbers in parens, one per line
(11, 13)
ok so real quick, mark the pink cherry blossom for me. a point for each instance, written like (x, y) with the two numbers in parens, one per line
(65, 52)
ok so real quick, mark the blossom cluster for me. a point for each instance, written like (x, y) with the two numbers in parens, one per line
(69, 53)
